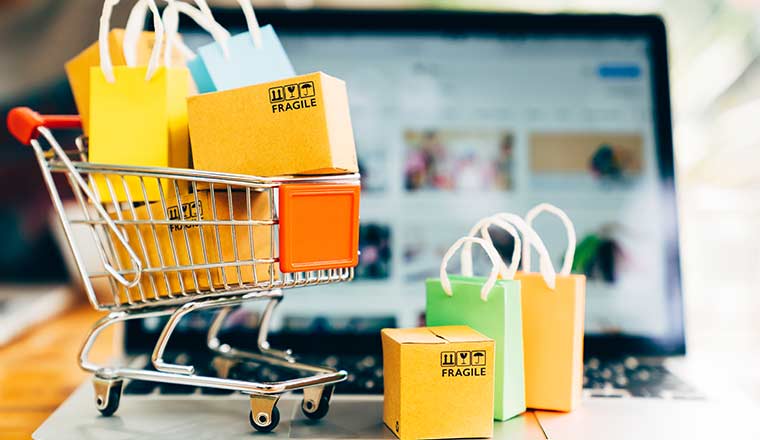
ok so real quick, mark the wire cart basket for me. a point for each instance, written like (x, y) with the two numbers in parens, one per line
(174, 241)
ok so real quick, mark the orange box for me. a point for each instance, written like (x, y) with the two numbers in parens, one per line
(319, 226)
(553, 340)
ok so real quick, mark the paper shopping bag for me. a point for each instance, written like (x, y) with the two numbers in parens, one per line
(251, 57)
(138, 117)
(300, 125)
(491, 307)
(78, 68)
(553, 316)
(553, 340)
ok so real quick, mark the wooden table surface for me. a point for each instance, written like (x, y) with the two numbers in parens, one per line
(39, 369)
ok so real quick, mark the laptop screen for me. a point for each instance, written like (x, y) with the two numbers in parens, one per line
(452, 128)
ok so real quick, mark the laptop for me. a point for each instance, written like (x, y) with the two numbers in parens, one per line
(457, 116)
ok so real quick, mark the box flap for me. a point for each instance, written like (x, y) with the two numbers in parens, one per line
(421, 335)
(458, 333)
(434, 335)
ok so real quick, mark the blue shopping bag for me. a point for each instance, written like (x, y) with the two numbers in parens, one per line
(252, 57)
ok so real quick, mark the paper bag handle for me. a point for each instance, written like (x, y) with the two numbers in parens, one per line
(206, 21)
(250, 19)
(253, 24)
(492, 254)
(567, 263)
(530, 238)
(106, 64)
(135, 26)
(506, 272)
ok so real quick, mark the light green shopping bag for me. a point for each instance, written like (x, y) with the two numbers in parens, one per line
(491, 307)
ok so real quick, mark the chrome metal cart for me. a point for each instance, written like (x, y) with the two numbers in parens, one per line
(202, 240)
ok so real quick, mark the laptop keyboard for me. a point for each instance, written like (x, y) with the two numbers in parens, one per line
(632, 378)
(602, 378)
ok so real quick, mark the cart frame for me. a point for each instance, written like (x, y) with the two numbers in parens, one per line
(130, 298)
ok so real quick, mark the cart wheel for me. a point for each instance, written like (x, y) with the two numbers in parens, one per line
(316, 402)
(107, 395)
(316, 412)
(263, 422)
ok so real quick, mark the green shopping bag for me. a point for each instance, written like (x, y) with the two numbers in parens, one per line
(491, 307)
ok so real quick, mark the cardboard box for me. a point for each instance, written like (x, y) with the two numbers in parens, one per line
(78, 68)
(439, 382)
(299, 125)
(156, 250)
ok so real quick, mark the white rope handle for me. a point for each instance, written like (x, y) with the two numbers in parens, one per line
(106, 64)
(132, 31)
(530, 238)
(492, 254)
(203, 5)
(253, 24)
(567, 263)
(135, 26)
(506, 272)
(207, 22)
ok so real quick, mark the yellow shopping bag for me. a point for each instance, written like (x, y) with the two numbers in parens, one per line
(553, 314)
(138, 116)
(78, 68)
(553, 310)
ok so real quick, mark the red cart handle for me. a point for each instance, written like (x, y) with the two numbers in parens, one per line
(23, 123)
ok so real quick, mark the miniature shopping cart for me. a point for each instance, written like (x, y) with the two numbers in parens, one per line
(167, 242)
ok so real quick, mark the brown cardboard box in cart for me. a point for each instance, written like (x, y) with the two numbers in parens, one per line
(153, 246)
(299, 125)
(439, 382)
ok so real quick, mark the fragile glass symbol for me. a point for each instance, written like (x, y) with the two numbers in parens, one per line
(291, 91)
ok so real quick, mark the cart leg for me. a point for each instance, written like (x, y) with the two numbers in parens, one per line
(212, 337)
(316, 401)
(264, 415)
(103, 323)
(263, 342)
(214, 344)
(107, 394)
(224, 303)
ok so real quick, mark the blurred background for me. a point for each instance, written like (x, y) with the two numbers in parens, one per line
(715, 88)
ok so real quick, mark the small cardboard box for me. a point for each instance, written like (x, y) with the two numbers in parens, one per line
(439, 382)
(299, 125)
(155, 250)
